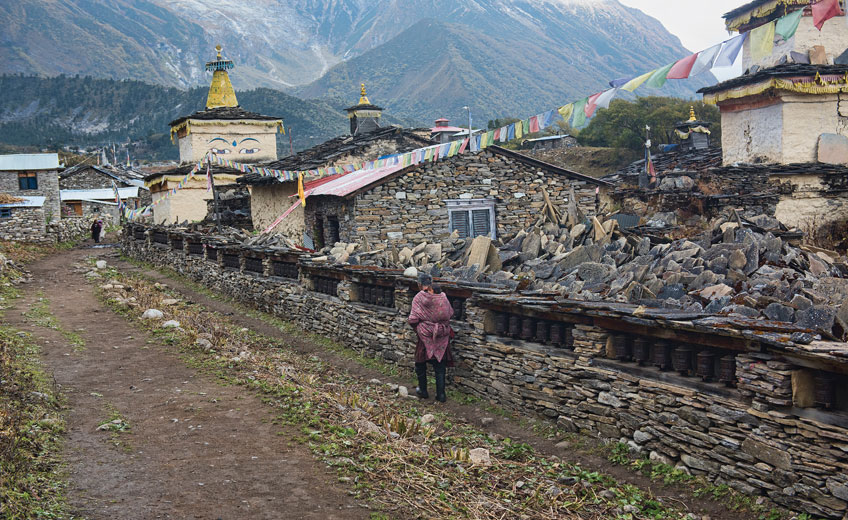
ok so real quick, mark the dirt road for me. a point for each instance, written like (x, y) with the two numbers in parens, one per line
(195, 448)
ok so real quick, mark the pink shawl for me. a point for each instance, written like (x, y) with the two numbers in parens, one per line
(432, 314)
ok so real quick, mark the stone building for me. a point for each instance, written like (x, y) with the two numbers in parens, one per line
(22, 218)
(270, 197)
(495, 192)
(223, 128)
(86, 190)
(32, 175)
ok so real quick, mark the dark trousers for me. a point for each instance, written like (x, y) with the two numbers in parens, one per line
(439, 367)
(96, 236)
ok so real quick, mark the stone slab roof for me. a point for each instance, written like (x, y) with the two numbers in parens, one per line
(785, 70)
(119, 173)
(233, 113)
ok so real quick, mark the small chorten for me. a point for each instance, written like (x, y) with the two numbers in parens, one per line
(364, 117)
(221, 93)
(694, 134)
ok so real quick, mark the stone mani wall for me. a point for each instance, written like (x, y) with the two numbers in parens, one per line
(745, 436)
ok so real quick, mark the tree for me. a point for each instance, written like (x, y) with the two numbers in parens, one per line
(622, 125)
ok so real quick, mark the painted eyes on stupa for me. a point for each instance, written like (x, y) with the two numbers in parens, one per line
(248, 150)
(220, 151)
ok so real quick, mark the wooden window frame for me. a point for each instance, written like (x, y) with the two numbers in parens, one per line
(27, 176)
(468, 206)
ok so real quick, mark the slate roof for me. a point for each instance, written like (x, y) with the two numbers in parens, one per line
(680, 160)
(326, 153)
(235, 113)
(788, 69)
(119, 173)
(185, 168)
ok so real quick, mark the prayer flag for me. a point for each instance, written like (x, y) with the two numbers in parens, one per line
(497, 135)
(762, 41)
(300, 192)
(824, 10)
(208, 178)
(682, 68)
(534, 124)
(729, 51)
(477, 139)
(504, 134)
(580, 113)
(620, 82)
(547, 119)
(636, 82)
(705, 60)
(519, 130)
(566, 112)
(591, 104)
(490, 138)
(606, 98)
(463, 146)
(787, 25)
(658, 78)
(526, 125)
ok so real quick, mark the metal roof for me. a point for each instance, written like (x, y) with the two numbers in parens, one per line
(352, 182)
(29, 161)
(28, 202)
(453, 129)
(101, 194)
(548, 138)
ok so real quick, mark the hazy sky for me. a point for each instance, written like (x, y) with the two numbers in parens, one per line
(698, 23)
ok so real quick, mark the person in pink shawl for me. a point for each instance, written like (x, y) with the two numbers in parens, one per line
(430, 317)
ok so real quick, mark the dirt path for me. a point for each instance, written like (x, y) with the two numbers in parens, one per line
(196, 449)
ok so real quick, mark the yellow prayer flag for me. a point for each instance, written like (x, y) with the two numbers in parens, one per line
(300, 192)
(566, 112)
(635, 83)
(519, 130)
(762, 41)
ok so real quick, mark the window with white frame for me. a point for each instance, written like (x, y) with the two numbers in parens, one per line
(472, 217)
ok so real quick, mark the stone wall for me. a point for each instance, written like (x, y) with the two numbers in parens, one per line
(757, 429)
(48, 186)
(25, 225)
(411, 208)
(68, 229)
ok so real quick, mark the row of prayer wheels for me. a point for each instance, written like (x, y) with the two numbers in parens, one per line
(547, 332)
(377, 295)
(685, 360)
(328, 286)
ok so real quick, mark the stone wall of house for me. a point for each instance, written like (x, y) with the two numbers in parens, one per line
(758, 433)
(69, 229)
(411, 207)
(24, 225)
(268, 202)
(48, 186)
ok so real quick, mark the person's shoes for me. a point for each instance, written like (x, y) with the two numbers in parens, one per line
(441, 397)
(440, 386)
(422, 394)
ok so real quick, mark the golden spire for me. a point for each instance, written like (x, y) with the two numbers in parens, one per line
(363, 99)
(221, 93)
(692, 114)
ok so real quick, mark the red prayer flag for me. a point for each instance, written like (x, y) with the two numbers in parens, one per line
(534, 124)
(592, 104)
(497, 135)
(464, 144)
(824, 11)
(682, 68)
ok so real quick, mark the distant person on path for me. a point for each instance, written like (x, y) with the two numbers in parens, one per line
(430, 317)
(96, 227)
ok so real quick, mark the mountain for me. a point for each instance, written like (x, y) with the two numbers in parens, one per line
(420, 58)
(86, 112)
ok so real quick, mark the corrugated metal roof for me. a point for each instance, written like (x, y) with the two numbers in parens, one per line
(101, 194)
(29, 161)
(28, 202)
(548, 138)
(352, 182)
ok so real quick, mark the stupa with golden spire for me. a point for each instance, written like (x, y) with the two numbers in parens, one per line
(364, 117)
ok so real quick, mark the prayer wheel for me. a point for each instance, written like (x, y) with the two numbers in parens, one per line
(569, 338)
(682, 360)
(457, 309)
(706, 365)
(528, 328)
(501, 323)
(662, 355)
(641, 350)
(556, 337)
(514, 326)
(824, 389)
(621, 347)
(542, 331)
(389, 296)
(727, 370)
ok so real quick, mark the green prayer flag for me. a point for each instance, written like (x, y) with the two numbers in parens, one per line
(526, 125)
(787, 25)
(580, 113)
(658, 78)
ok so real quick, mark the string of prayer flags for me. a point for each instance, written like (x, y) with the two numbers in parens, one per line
(658, 78)
(637, 82)
(730, 50)
(824, 10)
(682, 68)
(787, 25)
(762, 41)
(705, 60)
